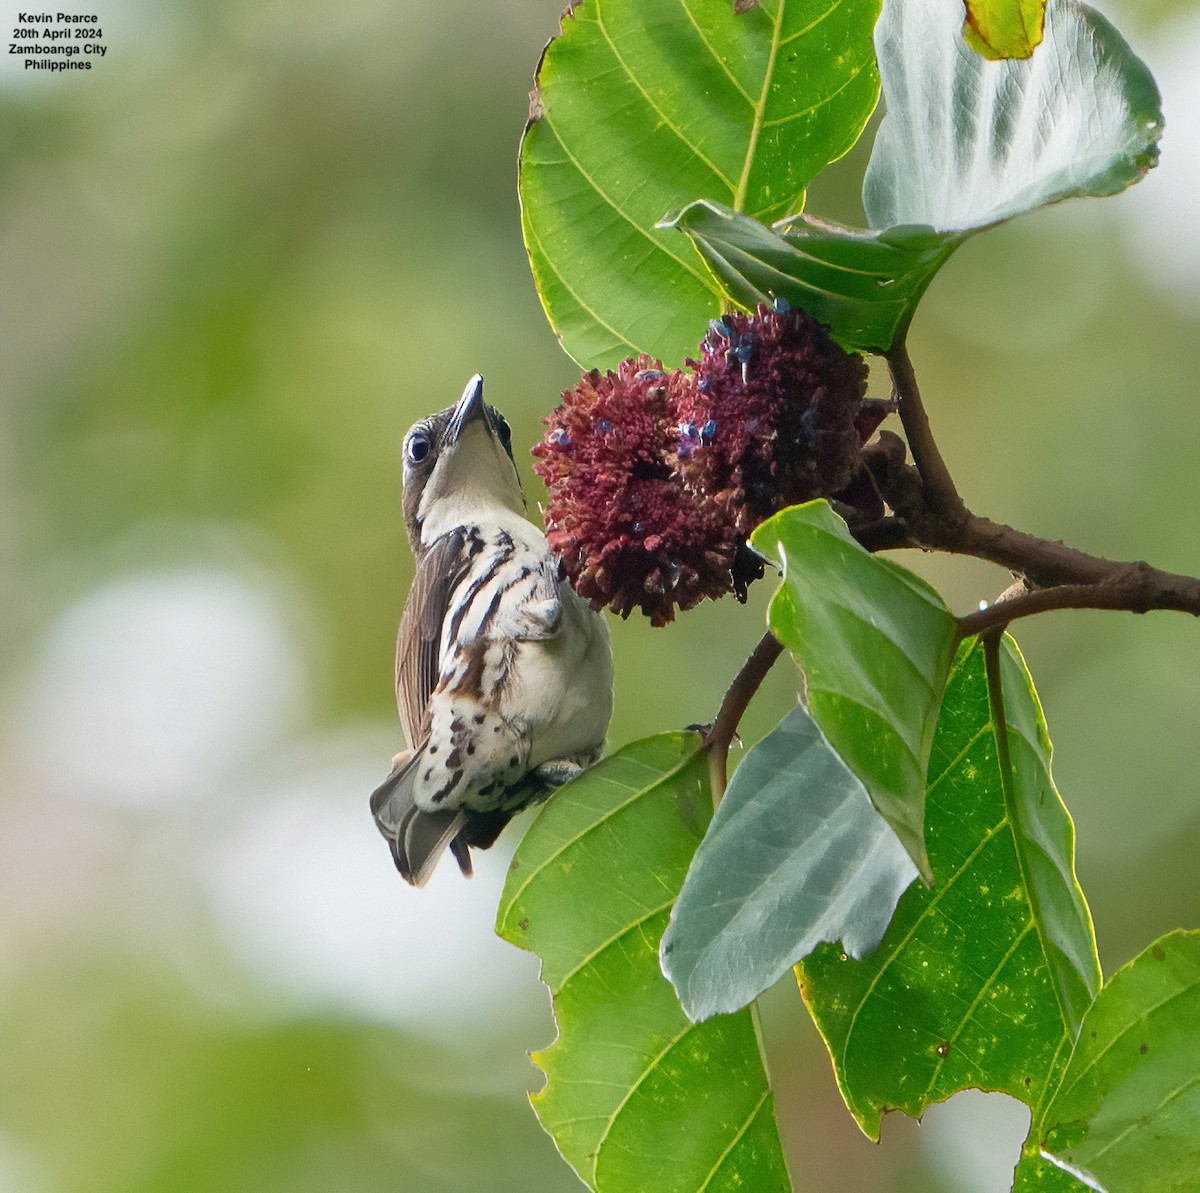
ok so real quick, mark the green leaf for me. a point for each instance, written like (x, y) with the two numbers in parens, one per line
(984, 980)
(968, 143)
(965, 145)
(795, 855)
(590, 891)
(1126, 1115)
(1035, 1174)
(864, 285)
(1004, 28)
(645, 105)
(875, 643)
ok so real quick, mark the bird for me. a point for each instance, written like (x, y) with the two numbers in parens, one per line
(503, 672)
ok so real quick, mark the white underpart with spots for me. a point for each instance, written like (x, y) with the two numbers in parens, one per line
(523, 676)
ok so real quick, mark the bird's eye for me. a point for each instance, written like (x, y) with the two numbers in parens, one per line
(417, 447)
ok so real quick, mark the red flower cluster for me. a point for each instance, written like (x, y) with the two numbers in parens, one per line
(657, 477)
(775, 402)
(629, 534)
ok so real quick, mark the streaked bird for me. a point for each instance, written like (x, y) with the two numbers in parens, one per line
(503, 673)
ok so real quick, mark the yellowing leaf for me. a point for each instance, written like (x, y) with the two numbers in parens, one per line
(1004, 28)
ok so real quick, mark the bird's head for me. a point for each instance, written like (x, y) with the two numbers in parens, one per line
(458, 466)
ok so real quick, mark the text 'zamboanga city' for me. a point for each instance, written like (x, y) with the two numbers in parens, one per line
(57, 40)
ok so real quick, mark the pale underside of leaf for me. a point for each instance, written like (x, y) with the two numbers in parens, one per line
(796, 855)
(967, 143)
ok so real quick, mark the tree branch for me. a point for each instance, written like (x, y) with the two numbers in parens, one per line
(941, 492)
(887, 534)
(930, 514)
(1089, 581)
(1131, 587)
(719, 736)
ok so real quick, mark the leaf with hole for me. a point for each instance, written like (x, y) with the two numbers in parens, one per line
(983, 981)
(644, 105)
(795, 855)
(590, 891)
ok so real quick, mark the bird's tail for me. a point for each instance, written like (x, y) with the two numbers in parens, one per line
(417, 838)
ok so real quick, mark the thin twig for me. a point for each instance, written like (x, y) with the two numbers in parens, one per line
(887, 534)
(940, 491)
(930, 514)
(1043, 561)
(1131, 588)
(1094, 582)
(719, 737)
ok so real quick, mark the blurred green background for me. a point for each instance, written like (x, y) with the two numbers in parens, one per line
(237, 259)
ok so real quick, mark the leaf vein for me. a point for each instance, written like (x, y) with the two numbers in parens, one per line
(624, 215)
(953, 763)
(655, 1061)
(901, 944)
(574, 294)
(1146, 1120)
(825, 99)
(716, 57)
(666, 120)
(734, 1141)
(984, 987)
(634, 795)
(760, 107)
(1158, 1006)
(633, 925)
(812, 24)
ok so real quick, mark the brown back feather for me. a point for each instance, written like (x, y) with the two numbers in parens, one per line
(418, 643)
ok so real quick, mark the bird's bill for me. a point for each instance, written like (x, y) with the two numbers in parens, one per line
(474, 474)
(470, 409)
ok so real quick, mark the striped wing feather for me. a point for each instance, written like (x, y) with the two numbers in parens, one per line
(418, 644)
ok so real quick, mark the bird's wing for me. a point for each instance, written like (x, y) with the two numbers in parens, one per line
(530, 606)
(419, 641)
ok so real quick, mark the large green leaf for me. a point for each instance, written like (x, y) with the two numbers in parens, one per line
(965, 144)
(637, 1097)
(1004, 28)
(875, 643)
(795, 855)
(1126, 1115)
(644, 105)
(864, 285)
(983, 981)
